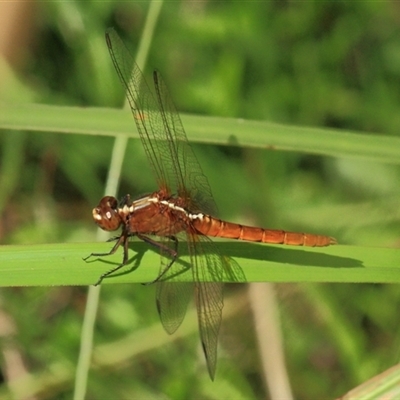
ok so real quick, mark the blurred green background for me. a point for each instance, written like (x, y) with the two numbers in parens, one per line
(322, 64)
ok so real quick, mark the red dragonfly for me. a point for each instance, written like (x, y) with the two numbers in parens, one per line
(180, 210)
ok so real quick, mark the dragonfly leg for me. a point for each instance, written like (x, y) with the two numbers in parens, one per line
(112, 251)
(172, 252)
(112, 239)
(123, 239)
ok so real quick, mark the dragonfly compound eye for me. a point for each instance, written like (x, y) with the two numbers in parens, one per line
(106, 214)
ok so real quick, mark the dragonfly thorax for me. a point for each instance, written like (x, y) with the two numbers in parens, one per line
(173, 204)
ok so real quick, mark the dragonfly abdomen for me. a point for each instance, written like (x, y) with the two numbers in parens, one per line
(215, 227)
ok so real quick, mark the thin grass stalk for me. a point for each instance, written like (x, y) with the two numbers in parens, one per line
(113, 178)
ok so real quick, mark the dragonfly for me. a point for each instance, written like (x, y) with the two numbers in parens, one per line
(180, 211)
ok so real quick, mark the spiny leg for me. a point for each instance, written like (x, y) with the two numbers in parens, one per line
(112, 251)
(172, 252)
(125, 240)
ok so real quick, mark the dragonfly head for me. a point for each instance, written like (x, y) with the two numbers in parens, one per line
(106, 214)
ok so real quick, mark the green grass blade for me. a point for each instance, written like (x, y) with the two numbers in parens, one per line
(119, 149)
(383, 387)
(62, 264)
(259, 134)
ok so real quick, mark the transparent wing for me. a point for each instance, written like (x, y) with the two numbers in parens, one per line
(172, 294)
(161, 131)
(144, 108)
(172, 299)
(177, 172)
(191, 183)
(210, 269)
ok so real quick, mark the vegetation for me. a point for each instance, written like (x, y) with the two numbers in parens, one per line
(322, 79)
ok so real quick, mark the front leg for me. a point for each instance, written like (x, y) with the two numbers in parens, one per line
(125, 240)
(112, 251)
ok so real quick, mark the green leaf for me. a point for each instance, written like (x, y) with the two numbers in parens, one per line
(213, 130)
(63, 264)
